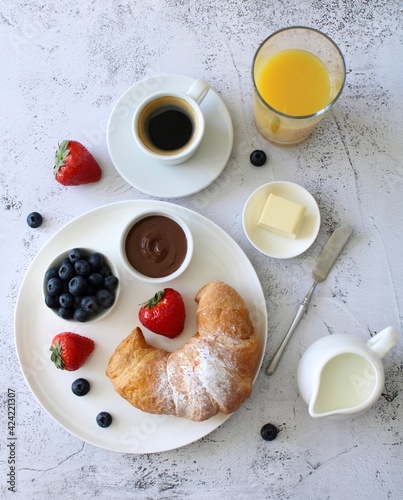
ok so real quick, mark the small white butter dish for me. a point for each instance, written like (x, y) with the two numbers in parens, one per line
(275, 245)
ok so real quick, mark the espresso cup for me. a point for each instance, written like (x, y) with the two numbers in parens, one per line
(169, 126)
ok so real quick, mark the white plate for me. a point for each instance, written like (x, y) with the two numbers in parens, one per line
(216, 257)
(173, 181)
(269, 243)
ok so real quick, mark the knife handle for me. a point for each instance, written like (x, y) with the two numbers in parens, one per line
(301, 310)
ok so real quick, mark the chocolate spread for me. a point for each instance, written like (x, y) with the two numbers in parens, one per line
(156, 246)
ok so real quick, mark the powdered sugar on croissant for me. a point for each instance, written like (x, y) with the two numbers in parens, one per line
(212, 372)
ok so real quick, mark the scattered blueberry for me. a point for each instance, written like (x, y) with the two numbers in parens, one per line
(258, 158)
(34, 220)
(104, 419)
(81, 286)
(269, 432)
(80, 387)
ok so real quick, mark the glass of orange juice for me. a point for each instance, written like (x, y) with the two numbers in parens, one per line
(298, 74)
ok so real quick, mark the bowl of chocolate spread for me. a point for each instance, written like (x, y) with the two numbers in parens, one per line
(156, 246)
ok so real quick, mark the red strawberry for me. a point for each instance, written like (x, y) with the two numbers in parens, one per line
(164, 313)
(70, 350)
(75, 165)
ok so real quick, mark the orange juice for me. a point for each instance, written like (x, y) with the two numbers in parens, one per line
(295, 82)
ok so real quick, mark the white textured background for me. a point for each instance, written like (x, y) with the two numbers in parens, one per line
(63, 66)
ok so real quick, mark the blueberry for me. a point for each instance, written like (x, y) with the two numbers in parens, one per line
(65, 313)
(66, 300)
(76, 254)
(105, 271)
(90, 304)
(96, 261)
(105, 298)
(34, 220)
(52, 272)
(104, 419)
(78, 285)
(80, 387)
(54, 286)
(95, 279)
(269, 432)
(64, 262)
(258, 158)
(52, 301)
(111, 283)
(82, 267)
(82, 316)
(66, 271)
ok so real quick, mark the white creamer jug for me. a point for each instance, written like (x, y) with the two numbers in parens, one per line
(342, 375)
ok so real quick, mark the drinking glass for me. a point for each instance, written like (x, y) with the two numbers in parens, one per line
(286, 129)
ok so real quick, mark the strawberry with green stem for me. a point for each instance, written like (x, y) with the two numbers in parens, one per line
(70, 350)
(75, 165)
(164, 313)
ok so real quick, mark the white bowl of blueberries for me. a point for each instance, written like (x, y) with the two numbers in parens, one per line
(81, 285)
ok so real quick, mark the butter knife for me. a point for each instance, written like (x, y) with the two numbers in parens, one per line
(323, 265)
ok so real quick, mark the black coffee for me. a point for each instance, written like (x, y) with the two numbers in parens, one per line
(169, 128)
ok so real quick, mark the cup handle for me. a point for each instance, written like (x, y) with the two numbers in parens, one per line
(384, 341)
(198, 90)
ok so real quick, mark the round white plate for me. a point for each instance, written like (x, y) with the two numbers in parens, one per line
(174, 181)
(216, 257)
(269, 243)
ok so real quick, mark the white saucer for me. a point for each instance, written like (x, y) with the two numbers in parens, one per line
(169, 181)
(271, 244)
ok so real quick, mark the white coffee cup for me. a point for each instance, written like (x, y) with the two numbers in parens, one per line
(168, 126)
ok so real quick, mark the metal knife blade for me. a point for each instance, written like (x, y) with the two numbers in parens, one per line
(330, 252)
(323, 265)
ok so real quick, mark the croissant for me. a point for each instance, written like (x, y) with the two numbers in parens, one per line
(212, 372)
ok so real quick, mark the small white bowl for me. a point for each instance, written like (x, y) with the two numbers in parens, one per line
(188, 256)
(102, 312)
(272, 244)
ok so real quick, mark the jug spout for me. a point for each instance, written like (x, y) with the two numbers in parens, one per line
(384, 341)
(314, 413)
(333, 413)
(348, 384)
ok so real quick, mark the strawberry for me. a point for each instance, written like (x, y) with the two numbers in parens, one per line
(164, 313)
(75, 165)
(70, 350)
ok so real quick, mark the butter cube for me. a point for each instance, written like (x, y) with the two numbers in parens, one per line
(281, 216)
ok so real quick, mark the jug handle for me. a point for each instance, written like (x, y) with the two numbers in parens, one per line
(384, 341)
